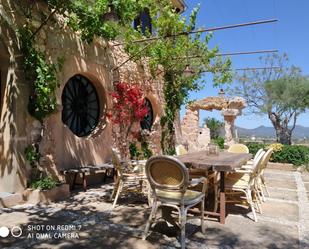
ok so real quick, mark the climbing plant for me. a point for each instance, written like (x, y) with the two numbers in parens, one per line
(171, 52)
(167, 54)
(43, 76)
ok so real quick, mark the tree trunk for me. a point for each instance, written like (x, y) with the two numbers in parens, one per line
(284, 135)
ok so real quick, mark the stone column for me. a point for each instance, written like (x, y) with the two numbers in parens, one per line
(229, 119)
(190, 128)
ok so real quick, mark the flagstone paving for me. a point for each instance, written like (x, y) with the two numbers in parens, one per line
(85, 221)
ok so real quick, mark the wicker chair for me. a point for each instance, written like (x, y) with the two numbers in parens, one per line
(261, 183)
(245, 182)
(250, 162)
(169, 180)
(181, 150)
(238, 148)
(123, 178)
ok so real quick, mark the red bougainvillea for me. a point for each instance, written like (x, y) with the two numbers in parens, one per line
(129, 104)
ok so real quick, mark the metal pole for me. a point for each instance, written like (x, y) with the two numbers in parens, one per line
(202, 30)
(248, 52)
(243, 69)
(231, 53)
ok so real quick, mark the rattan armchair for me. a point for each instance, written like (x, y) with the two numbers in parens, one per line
(122, 178)
(169, 180)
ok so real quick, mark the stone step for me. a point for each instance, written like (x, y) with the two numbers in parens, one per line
(8, 199)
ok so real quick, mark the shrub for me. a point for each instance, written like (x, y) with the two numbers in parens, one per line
(45, 183)
(219, 141)
(276, 147)
(295, 154)
(254, 147)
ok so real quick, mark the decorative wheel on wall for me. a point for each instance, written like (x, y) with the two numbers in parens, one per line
(81, 106)
(147, 122)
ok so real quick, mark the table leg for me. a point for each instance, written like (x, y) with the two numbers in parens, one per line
(84, 182)
(222, 198)
(74, 181)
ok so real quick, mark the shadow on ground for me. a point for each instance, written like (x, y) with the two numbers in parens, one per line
(91, 225)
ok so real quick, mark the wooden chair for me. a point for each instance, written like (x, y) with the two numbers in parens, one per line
(238, 148)
(169, 180)
(122, 178)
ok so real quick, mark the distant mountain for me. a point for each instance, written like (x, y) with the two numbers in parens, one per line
(269, 132)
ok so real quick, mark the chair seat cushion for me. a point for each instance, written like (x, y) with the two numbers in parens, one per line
(190, 196)
(238, 180)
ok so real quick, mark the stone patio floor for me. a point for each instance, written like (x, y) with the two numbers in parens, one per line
(84, 221)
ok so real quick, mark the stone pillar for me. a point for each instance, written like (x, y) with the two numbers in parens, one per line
(190, 128)
(229, 129)
(229, 119)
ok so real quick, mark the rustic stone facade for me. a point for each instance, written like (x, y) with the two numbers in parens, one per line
(198, 138)
(59, 147)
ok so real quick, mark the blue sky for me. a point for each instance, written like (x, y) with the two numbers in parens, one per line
(290, 34)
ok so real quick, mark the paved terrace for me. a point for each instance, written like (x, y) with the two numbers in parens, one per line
(283, 224)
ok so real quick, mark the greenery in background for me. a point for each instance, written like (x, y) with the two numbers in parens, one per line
(44, 183)
(134, 151)
(219, 141)
(295, 154)
(281, 93)
(43, 74)
(145, 150)
(143, 153)
(166, 55)
(215, 126)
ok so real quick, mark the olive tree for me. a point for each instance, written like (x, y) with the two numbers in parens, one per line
(279, 91)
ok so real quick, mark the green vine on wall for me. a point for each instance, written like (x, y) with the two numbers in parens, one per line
(43, 74)
(42, 101)
(168, 52)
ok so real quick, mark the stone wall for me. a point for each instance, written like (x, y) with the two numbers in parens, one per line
(59, 146)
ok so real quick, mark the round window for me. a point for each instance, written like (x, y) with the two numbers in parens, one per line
(81, 106)
(147, 122)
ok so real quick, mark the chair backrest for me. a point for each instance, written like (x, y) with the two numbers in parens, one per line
(116, 162)
(238, 148)
(256, 167)
(266, 159)
(258, 153)
(167, 173)
(181, 150)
